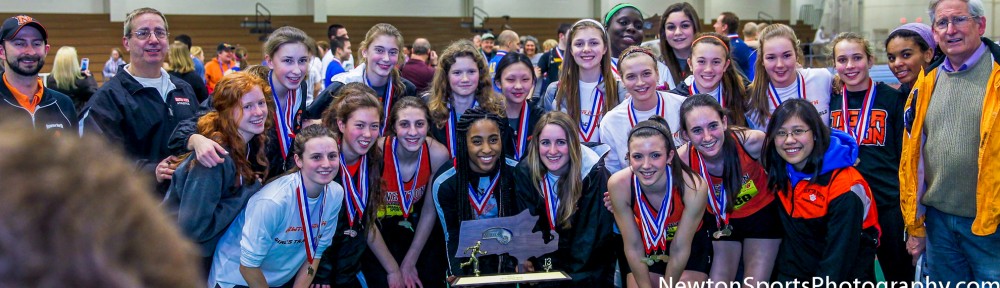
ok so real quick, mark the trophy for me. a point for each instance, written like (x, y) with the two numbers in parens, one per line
(511, 235)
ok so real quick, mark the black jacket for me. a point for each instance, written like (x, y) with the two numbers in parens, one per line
(55, 111)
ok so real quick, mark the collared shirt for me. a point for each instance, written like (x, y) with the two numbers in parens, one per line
(29, 103)
(949, 67)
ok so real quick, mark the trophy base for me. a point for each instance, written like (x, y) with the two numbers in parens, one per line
(468, 281)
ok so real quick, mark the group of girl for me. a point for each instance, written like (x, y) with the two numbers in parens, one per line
(368, 185)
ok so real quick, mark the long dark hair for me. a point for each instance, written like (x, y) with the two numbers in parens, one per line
(511, 59)
(656, 126)
(462, 169)
(732, 169)
(669, 57)
(776, 166)
(350, 101)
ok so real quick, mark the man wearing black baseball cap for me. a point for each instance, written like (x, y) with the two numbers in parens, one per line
(24, 46)
(217, 67)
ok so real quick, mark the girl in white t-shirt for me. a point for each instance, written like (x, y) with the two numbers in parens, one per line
(587, 88)
(713, 73)
(779, 77)
(288, 224)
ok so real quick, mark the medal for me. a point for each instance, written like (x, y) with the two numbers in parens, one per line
(310, 270)
(386, 99)
(633, 115)
(284, 119)
(551, 197)
(479, 201)
(653, 223)
(799, 86)
(860, 131)
(522, 132)
(717, 200)
(357, 193)
(587, 129)
(306, 219)
(406, 224)
(405, 199)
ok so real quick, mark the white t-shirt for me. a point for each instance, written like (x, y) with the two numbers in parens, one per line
(818, 82)
(587, 99)
(665, 77)
(162, 84)
(616, 125)
(268, 234)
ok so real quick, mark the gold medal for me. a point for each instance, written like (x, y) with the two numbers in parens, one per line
(310, 270)
(351, 233)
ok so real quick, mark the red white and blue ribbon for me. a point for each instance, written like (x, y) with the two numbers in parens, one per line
(633, 115)
(551, 196)
(859, 132)
(587, 129)
(357, 193)
(479, 201)
(450, 131)
(405, 199)
(614, 68)
(522, 132)
(306, 219)
(693, 89)
(653, 223)
(799, 86)
(386, 99)
(716, 199)
(285, 117)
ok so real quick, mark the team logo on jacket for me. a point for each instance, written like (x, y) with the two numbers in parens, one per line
(55, 125)
(182, 101)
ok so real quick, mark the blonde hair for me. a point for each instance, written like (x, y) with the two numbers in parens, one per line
(385, 29)
(179, 59)
(548, 45)
(570, 186)
(66, 69)
(196, 51)
(757, 91)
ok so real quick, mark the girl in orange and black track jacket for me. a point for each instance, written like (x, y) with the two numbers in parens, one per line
(829, 217)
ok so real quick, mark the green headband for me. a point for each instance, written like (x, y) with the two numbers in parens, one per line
(620, 6)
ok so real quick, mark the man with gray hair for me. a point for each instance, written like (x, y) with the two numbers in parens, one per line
(949, 188)
(420, 68)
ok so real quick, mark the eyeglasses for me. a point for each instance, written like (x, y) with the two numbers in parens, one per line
(144, 34)
(958, 21)
(782, 134)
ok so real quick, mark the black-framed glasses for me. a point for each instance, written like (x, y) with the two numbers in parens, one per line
(958, 21)
(144, 34)
(782, 134)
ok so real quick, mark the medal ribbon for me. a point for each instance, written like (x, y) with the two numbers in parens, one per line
(632, 115)
(306, 219)
(693, 89)
(716, 202)
(587, 131)
(406, 199)
(653, 226)
(285, 117)
(450, 130)
(551, 195)
(522, 132)
(859, 132)
(614, 68)
(357, 193)
(386, 99)
(799, 86)
(479, 202)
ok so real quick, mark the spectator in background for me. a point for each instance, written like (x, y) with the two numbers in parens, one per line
(316, 70)
(486, 45)
(407, 51)
(420, 68)
(530, 46)
(750, 35)
(335, 67)
(476, 40)
(338, 32)
(68, 78)
(180, 65)
(199, 62)
(507, 42)
(198, 54)
(728, 24)
(111, 67)
(551, 61)
(24, 44)
(240, 54)
(215, 69)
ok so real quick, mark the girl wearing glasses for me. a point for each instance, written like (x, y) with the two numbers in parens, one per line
(874, 117)
(828, 212)
(779, 77)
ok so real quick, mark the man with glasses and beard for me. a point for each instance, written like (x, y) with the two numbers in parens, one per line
(24, 46)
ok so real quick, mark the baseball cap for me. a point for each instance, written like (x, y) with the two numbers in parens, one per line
(487, 35)
(13, 25)
(225, 46)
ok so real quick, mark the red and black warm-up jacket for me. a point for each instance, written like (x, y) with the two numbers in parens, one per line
(831, 227)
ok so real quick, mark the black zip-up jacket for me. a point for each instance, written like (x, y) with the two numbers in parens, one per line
(137, 118)
(55, 111)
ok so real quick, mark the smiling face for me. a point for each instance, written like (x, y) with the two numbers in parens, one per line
(639, 76)
(25, 53)
(319, 162)
(251, 115)
(795, 149)
(463, 77)
(906, 59)
(149, 52)
(290, 64)
(679, 31)
(411, 128)
(484, 146)
(852, 64)
(648, 157)
(530, 47)
(625, 29)
(360, 130)
(780, 61)
(708, 63)
(588, 48)
(516, 82)
(706, 130)
(958, 41)
(553, 148)
(382, 55)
